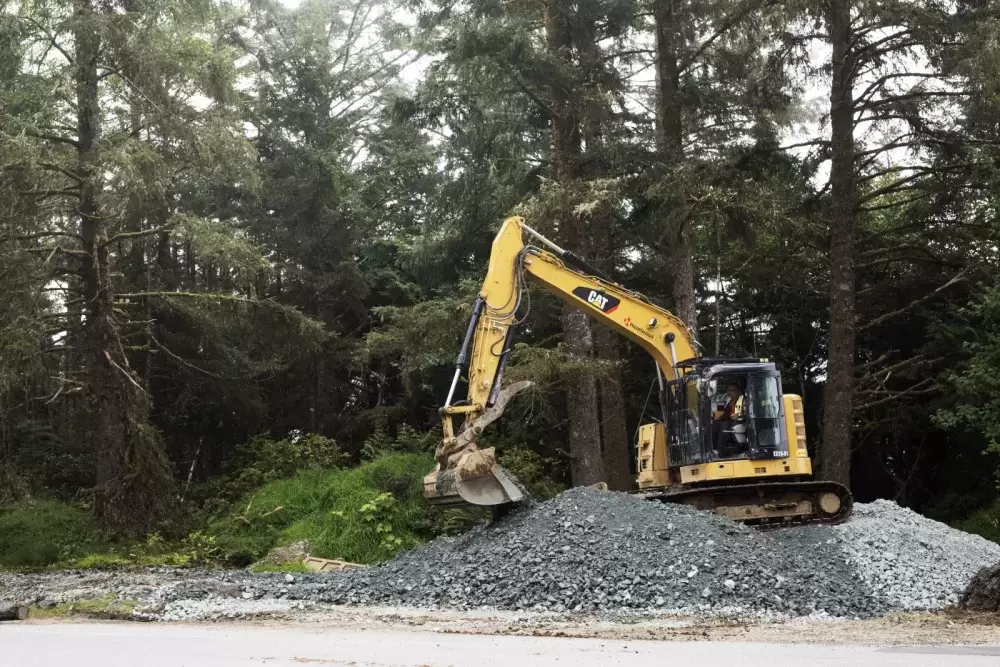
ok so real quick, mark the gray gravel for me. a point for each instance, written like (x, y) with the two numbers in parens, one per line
(910, 561)
(607, 554)
(593, 551)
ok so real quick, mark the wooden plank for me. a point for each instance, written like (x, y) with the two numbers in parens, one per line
(328, 564)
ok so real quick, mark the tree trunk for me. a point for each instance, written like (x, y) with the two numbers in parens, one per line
(838, 408)
(614, 431)
(673, 215)
(586, 463)
(131, 469)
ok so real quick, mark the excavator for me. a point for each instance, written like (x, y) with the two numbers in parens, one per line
(748, 464)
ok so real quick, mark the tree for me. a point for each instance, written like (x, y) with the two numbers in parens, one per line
(120, 165)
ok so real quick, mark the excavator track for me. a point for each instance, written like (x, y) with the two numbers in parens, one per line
(768, 506)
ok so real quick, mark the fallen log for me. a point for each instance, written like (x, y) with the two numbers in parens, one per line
(13, 612)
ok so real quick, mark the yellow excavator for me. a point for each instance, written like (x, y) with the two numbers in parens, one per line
(730, 441)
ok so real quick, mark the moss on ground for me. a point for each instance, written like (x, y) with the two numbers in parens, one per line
(108, 608)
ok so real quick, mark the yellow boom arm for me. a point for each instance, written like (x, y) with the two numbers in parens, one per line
(488, 341)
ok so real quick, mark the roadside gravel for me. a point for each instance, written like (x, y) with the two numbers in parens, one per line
(588, 553)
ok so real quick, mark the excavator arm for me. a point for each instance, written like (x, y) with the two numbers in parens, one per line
(464, 474)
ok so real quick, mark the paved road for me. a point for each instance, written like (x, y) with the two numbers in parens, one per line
(108, 645)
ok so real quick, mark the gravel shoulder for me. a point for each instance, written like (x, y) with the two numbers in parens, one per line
(585, 563)
(942, 628)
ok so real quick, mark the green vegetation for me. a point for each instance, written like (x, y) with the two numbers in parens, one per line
(985, 522)
(107, 608)
(281, 567)
(39, 533)
(363, 515)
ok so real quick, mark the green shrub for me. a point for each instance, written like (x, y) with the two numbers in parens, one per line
(533, 470)
(363, 515)
(41, 533)
(985, 522)
(380, 443)
(265, 459)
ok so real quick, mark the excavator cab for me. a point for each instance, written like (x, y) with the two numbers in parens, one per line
(725, 409)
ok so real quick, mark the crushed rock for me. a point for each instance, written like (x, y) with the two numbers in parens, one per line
(609, 555)
(910, 561)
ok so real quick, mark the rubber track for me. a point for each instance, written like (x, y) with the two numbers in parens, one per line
(846, 500)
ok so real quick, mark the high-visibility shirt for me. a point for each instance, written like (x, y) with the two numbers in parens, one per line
(734, 409)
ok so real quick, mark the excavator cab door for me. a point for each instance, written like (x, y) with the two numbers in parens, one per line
(765, 417)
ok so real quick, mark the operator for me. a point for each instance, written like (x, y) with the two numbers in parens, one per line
(726, 443)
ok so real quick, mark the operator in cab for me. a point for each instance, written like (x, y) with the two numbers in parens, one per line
(724, 429)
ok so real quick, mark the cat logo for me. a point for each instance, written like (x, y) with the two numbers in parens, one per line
(598, 299)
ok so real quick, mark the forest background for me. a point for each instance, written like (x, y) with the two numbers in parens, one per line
(240, 241)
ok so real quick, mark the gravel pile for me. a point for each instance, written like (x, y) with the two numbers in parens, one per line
(608, 554)
(910, 561)
(604, 552)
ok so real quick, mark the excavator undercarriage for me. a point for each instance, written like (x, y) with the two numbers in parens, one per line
(767, 505)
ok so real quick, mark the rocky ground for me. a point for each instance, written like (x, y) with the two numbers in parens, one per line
(584, 557)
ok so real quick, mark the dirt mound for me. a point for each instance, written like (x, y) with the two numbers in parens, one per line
(983, 592)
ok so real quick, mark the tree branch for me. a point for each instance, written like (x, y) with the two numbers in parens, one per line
(65, 172)
(959, 277)
(917, 389)
(182, 361)
(52, 137)
(534, 96)
(738, 15)
(127, 375)
(133, 235)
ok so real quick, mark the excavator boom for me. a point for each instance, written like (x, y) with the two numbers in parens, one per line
(466, 475)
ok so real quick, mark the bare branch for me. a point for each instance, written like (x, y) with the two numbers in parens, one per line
(133, 235)
(959, 277)
(124, 372)
(917, 389)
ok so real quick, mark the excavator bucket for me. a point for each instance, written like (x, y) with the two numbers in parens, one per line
(467, 475)
(476, 479)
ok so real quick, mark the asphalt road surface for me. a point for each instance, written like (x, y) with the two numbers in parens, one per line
(132, 645)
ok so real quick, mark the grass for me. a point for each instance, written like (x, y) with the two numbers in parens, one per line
(985, 522)
(362, 515)
(40, 533)
(282, 567)
(105, 608)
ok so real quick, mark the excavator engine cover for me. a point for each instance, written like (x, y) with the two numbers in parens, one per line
(476, 479)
